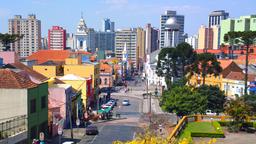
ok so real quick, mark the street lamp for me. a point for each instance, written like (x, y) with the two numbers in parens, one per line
(60, 130)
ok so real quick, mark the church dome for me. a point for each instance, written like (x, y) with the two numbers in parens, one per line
(171, 24)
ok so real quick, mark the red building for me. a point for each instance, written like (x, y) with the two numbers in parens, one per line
(57, 38)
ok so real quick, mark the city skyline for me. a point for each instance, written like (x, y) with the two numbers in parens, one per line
(125, 13)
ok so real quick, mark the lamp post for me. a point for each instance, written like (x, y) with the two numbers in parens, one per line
(60, 130)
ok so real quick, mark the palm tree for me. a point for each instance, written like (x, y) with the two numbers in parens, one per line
(205, 64)
(7, 39)
(246, 38)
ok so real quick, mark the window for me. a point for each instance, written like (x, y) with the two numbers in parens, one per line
(81, 44)
(105, 81)
(43, 102)
(33, 106)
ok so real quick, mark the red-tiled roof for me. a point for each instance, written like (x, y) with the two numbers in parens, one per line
(105, 68)
(209, 51)
(30, 71)
(45, 55)
(12, 80)
(225, 63)
(240, 76)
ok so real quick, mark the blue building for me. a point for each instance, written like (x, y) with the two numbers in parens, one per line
(107, 25)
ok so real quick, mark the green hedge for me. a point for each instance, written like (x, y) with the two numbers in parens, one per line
(211, 135)
(227, 123)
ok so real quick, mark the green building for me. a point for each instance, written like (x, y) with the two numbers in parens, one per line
(244, 23)
(22, 97)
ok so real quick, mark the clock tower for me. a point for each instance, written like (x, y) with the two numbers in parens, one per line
(81, 35)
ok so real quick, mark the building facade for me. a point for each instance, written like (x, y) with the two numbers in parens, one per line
(30, 28)
(128, 38)
(151, 39)
(216, 17)
(108, 26)
(244, 23)
(140, 51)
(57, 38)
(205, 38)
(193, 41)
(102, 41)
(179, 19)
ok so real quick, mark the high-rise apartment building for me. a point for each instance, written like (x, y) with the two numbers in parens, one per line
(179, 20)
(44, 42)
(151, 39)
(57, 38)
(193, 41)
(30, 28)
(128, 38)
(215, 36)
(104, 41)
(140, 51)
(216, 17)
(205, 40)
(107, 25)
(244, 23)
(70, 43)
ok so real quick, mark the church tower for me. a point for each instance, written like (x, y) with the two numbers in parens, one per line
(81, 35)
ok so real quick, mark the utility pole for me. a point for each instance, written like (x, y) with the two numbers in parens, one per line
(149, 98)
(70, 120)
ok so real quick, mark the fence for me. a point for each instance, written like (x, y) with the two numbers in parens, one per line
(13, 126)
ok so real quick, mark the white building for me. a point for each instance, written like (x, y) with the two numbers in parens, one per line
(180, 21)
(150, 70)
(30, 28)
(193, 41)
(81, 36)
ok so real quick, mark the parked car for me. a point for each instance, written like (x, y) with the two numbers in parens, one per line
(91, 130)
(125, 102)
(68, 142)
(209, 112)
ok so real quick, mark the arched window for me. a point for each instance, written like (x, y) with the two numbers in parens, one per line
(81, 44)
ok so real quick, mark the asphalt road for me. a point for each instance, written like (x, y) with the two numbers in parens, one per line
(122, 130)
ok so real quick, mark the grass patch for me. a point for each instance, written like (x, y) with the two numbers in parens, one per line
(202, 129)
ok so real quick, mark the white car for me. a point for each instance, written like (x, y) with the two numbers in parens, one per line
(125, 102)
(68, 142)
(209, 112)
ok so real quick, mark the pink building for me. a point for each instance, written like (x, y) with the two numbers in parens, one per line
(9, 57)
(57, 38)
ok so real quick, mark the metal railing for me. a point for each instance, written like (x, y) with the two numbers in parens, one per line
(13, 126)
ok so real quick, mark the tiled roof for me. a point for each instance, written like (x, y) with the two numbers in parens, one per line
(239, 76)
(52, 63)
(106, 68)
(12, 80)
(45, 55)
(209, 51)
(30, 71)
(225, 63)
(231, 67)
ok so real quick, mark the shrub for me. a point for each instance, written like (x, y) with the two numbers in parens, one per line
(211, 135)
(224, 123)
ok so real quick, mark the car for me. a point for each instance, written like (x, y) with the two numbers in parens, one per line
(209, 112)
(125, 102)
(68, 142)
(91, 130)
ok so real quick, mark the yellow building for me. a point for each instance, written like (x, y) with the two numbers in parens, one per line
(49, 69)
(197, 80)
(78, 83)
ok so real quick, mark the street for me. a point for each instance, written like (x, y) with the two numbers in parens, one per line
(123, 129)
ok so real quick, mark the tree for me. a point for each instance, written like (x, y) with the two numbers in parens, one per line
(205, 64)
(183, 101)
(251, 101)
(186, 55)
(237, 109)
(215, 97)
(7, 39)
(246, 38)
(172, 62)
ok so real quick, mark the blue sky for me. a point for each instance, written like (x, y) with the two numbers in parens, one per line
(125, 13)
